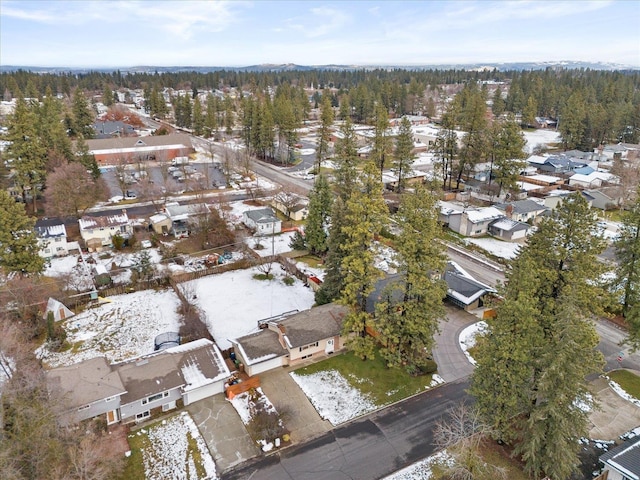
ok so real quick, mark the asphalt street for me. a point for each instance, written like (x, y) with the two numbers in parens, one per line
(364, 449)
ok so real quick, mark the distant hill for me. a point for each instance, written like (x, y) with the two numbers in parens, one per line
(266, 67)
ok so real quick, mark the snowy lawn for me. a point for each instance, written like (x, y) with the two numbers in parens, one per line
(273, 244)
(421, 470)
(496, 247)
(344, 387)
(467, 338)
(625, 384)
(234, 301)
(123, 328)
(540, 137)
(173, 449)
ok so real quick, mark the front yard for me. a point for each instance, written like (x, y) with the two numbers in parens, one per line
(344, 387)
(170, 449)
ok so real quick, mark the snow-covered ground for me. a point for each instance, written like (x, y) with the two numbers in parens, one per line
(121, 329)
(335, 399)
(496, 247)
(420, 470)
(246, 407)
(169, 457)
(542, 137)
(273, 244)
(623, 393)
(467, 338)
(235, 301)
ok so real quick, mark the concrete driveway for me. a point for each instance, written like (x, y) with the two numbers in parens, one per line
(223, 431)
(452, 362)
(615, 416)
(301, 419)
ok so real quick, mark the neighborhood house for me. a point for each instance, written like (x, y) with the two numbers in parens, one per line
(52, 238)
(98, 232)
(263, 221)
(132, 391)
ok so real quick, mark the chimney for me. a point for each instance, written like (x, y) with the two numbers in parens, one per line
(509, 211)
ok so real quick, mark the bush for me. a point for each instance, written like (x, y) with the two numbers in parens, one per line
(288, 281)
(118, 242)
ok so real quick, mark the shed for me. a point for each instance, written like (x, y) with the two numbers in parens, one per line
(60, 311)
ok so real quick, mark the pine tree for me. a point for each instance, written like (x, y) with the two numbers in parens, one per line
(83, 117)
(534, 358)
(506, 151)
(19, 252)
(87, 159)
(571, 122)
(498, 103)
(198, 117)
(107, 95)
(408, 317)
(317, 222)
(324, 135)
(628, 272)
(364, 218)
(346, 159)
(403, 157)
(50, 127)
(27, 150)
(381, 141)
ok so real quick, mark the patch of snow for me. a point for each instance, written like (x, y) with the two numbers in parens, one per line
(496, 247)
(623, 393)
(306, 151)
(274, 244)
(467, 338)
(585, 404)
(333, 397)
(121, 329)
(630, 434)
(234, 301)
(420, 470)
(168, 456)
(540, 137)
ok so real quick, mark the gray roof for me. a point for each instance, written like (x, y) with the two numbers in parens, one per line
(262, 215)
(86, 382)
(625, 458)
(261, 345)
(462, 286)
(130, 142)
(522, 206)
(314, 324)
(50, 227)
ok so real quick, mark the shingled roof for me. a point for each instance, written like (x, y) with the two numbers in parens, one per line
(625, 458)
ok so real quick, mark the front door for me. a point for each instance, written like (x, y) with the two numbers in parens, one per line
(329, 348)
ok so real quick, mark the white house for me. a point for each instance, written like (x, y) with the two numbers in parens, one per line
(98, 232)
(263, 221)
(52, 238)
(622, 462)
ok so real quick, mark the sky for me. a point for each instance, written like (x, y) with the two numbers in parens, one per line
(87, 33)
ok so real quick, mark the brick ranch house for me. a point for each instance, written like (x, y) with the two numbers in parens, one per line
(111, 151)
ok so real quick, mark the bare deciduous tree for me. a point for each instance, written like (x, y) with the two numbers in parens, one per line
(71, 190)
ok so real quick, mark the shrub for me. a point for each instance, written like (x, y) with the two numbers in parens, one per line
(289, 281)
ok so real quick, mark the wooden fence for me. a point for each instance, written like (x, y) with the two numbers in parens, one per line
(244, 386)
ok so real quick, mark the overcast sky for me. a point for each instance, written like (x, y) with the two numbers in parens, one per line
(238, 33)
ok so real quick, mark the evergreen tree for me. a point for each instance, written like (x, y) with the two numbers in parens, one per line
(529, 112)
(27, 150)
(83, 117)
(498, 105)
(628, 272)
(407, 318)
(364, 218)
(534, 358)
(317, 222)
(346, 159)
(198, 117)
(381, 141)
(403, 157)
(211, 116)
(571, 122)
(50, 127)
(87, 159)
(506, 151)
(324, 135)
(107, 95)
(19, 252)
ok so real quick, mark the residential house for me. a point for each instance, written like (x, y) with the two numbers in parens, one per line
(545, 122)
(291, 205)
(473, 222)
(178, 219)
(560, 164)
(555, 197)
(607, 198)
(98, 232)
(111, 129)
(111, 151)
(622, 462)
(522, 210)
(131, 391)
(289, 339)
(263, 221)
(52, 238)
(593, 179)
(463, 290)
(509, 230)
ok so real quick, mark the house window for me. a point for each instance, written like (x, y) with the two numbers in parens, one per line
(58, 239)
(143, 415)
(84, 407)
(108, 399)
(309, 346)
(153, 398)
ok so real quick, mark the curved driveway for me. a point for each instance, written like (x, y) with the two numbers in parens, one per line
(452, 362)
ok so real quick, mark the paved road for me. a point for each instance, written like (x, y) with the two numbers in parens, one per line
(480, 270)
(365, 449)
(611, 337)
